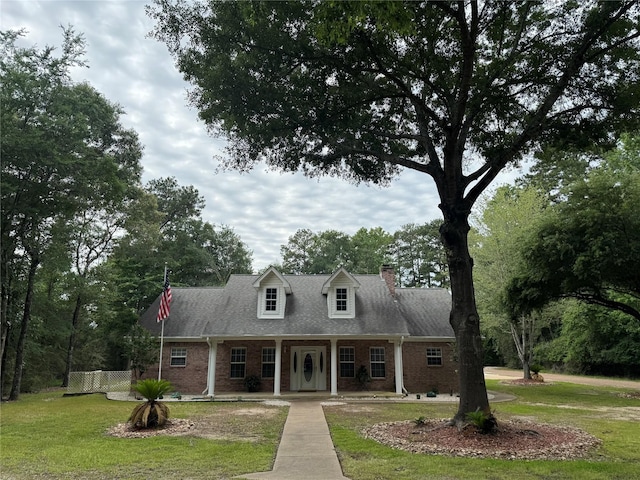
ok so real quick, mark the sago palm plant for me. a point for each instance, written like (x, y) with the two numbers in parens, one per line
(152, 413)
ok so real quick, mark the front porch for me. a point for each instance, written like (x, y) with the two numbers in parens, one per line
(320, 366)
(324, 366)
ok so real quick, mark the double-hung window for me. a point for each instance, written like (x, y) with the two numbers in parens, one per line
(271, 299)
(377, 362)
(341, 299)
(238, 362)
(434, 357)
(178, 357)
(347, 362)
(268, 362)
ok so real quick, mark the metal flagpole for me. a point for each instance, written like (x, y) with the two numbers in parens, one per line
(162, 327)
(161, 344)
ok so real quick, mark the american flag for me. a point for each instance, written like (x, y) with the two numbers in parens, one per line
(165, 301)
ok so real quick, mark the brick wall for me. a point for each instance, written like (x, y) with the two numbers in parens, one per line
(421, 378)
(253, 366)
(362, 357)
(190, 379)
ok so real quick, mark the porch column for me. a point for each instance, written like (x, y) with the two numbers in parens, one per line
(278, 371)
(397, 357)
(334, 366)
(211, 371)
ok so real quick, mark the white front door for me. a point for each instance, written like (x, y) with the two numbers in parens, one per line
(308, 368)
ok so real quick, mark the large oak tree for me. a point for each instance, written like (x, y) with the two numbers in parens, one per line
(456, 90)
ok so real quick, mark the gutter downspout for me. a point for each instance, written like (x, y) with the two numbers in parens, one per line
(404, 390)
(206, 389)
(211, 368)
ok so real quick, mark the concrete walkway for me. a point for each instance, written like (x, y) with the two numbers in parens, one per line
(306, 449)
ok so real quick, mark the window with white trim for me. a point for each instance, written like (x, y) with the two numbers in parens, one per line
(178, 356)
(377, 362)
(347, 356)
(268, 362)
(340, 289)
(341, 301)
(271, 299)
(238, 362)
(434, 357)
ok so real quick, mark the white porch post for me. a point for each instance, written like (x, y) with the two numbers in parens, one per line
(278, 371)
(334, 366)
(397, 357)
(211, 371)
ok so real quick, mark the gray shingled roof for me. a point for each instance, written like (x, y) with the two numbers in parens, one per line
(191, 309)
(232, 311)
(426, 311)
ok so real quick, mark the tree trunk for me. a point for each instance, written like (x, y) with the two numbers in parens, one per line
(3, 371)
(5, 329)
(72, 340)
(5, 308)
(464, 319)
(26, 317)
(524, 347)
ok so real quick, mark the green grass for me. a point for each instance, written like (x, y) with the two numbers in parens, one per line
(54, 437)
(48, 436)
(599, 411)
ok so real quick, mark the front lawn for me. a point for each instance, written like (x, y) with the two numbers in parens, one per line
(49, 436)
(602, 412)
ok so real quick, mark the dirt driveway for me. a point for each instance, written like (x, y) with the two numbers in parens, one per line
(500, 373)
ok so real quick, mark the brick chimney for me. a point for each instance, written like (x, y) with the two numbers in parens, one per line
(388, 274)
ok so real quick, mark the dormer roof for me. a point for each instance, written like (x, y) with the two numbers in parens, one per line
(269, 275)
(342, 277)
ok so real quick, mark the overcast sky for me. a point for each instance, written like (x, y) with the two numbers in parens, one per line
(263, 208)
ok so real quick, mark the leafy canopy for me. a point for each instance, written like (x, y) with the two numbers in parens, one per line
(358, 89)
(588, 246)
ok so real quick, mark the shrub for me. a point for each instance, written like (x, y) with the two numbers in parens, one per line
(484, 422)
(152, 413)
(252, 383)
(362, 376)
(535, 368)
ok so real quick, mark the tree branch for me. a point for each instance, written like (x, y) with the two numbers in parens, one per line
(576, 60)
(595, 299)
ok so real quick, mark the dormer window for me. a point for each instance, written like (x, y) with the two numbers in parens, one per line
(272, 290)
(340, 290)
(341, 301)
(271, 299)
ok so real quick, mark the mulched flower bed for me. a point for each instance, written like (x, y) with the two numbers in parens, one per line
(514, 440)
(175, 426)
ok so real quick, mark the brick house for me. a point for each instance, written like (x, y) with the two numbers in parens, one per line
(307, 333)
